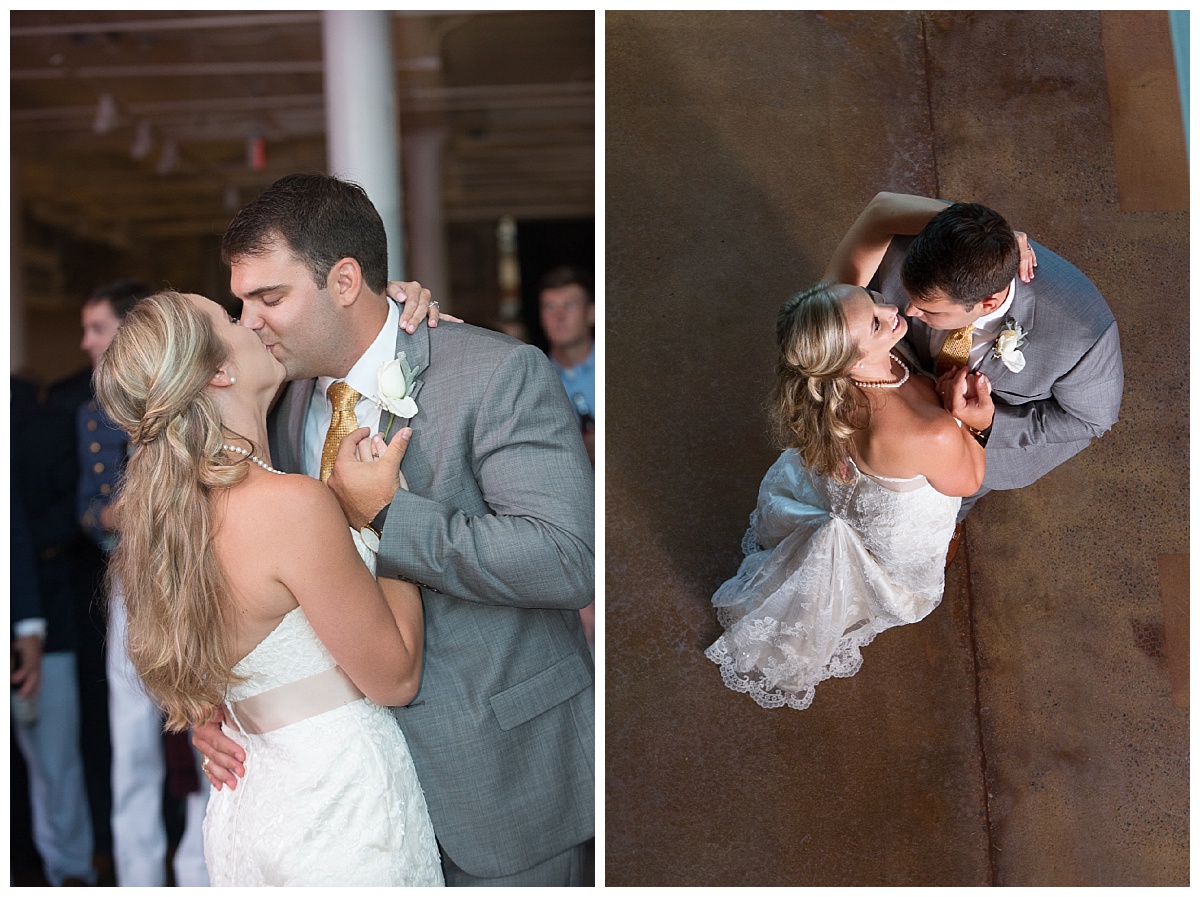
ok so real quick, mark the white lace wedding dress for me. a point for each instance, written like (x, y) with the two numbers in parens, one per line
(330, 795)
(828, 567)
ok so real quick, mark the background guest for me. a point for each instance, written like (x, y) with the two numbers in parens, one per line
(568, 315)
(26, 634)
(47, 731)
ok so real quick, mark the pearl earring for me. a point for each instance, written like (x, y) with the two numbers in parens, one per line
(232, 379)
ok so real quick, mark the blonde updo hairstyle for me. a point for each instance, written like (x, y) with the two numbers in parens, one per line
(152, 383)
(816, 408)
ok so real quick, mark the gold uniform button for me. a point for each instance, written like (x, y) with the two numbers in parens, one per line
(98, 468)
(105, 489)
(91, 425)
(95, 447)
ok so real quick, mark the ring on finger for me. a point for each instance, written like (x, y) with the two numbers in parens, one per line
(204, 764)
(435, 304)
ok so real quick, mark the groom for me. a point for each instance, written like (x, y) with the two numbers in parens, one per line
(496, 526)
(1048, 347)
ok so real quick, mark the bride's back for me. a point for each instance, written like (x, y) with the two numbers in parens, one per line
(252, 541)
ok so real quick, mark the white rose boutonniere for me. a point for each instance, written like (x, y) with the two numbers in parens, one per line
(1008, 346)
(396, 379)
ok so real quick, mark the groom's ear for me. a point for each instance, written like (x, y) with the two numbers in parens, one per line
(345, 281)
(993, 302)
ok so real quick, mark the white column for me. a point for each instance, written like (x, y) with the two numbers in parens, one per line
(427, 237)
(16, 282)
(361, 118)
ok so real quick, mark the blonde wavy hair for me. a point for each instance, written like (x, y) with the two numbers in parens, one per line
(151, 381)
(815, 408)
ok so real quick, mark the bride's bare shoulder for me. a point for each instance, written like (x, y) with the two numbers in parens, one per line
(283, 501)
(928, 426)
(906, 433)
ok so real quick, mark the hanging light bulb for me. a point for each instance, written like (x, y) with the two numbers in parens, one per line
(106, 114)
(256, 153)
(509, 273)
(143, 140)
(169, 160)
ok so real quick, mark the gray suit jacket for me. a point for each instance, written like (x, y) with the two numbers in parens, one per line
(1069, 391)
(498, 529)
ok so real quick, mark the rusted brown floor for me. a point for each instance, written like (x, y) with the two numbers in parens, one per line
(1024, 733)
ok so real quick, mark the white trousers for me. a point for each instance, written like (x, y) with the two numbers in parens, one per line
(138, 771)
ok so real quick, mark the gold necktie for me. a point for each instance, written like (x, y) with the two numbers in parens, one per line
(956, 350)
(343, 421)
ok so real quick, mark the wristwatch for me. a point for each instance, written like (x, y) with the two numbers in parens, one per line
(373, 531)
(370, 537)
(981, 436)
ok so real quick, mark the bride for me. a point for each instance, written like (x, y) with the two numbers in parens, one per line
(244, 590)
(853, 520)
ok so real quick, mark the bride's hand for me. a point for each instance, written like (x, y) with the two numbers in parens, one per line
(968, 397)
(418, 304)
(1028, 257)
(374, 449)
(364, 485)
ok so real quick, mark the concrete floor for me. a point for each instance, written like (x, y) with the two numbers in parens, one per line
(1024, 733)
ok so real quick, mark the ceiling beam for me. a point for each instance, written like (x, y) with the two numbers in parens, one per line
(116, 26)
(192, 23)
(171, 70)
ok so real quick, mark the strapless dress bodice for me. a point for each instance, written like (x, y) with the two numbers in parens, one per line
(290, 652)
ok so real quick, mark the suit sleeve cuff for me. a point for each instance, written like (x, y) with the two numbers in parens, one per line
(31, 626)
(380, 519)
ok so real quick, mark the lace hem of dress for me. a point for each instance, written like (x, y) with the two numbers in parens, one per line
(750, 541)
(763, 685)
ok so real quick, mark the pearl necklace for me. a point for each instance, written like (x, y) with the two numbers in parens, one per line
(886, 384)
(257, 460)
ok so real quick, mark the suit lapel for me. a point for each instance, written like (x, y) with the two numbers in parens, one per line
(286, 425)
(918, 340)
(1023, 311)
(415, 347)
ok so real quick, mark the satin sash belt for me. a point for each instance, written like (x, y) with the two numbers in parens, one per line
(278, 707)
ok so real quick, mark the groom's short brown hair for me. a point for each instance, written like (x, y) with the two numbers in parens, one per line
(322, 220)
(966, 251)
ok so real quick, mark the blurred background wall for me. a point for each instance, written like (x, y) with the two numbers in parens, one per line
(135, 137)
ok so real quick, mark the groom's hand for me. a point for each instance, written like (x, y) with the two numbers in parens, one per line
(223, 758)
(364, 488)
(967, 396)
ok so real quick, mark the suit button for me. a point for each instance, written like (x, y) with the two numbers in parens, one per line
(91, 425)
(95, 447)
(105, 488)
(98, 467)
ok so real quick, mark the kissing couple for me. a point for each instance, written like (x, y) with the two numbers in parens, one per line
(404, 700)
(943, 355)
